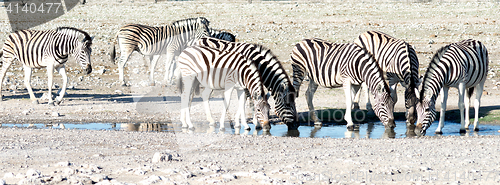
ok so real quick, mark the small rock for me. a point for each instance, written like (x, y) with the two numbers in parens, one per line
(119, 92)
(98, 177)
(27, 111)
(229, 176)
(80, 78)
(2, 182)
(431, 42)
(33, 173)
(160, 157)
(485, 93)
(9, 175)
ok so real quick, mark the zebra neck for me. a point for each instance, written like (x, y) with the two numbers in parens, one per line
(431, 86)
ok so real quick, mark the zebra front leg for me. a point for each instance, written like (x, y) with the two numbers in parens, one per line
(50, 81)
(311, 89)
(348, 104)
(169, 66)
(205, 95)
(27, 83)
(369, 107)
(444, 93)
(461, 106)
(477, 104)
(62, 72)
(152, 65)
(227, 99)
(241, 109)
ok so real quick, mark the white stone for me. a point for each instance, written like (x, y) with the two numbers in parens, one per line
(55, 114)
(33, 173)
(160, 157)
(8, 175)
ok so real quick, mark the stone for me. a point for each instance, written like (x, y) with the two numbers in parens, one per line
(55, 114)
(33, 173)
(161, 157)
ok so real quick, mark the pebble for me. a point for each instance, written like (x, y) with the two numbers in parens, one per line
(161, 157)
(55, 114)
(33, 173)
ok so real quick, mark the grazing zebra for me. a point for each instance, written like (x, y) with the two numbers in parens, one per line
(400, 63)
(273, 74)
(463, 65)
(333, 65)
(217, 70)
(153, 41)
(223, 35)
(46, 49)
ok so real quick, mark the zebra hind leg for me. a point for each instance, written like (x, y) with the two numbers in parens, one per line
(152, 65)
(62, 72)
(27, 83)
(477, 104)
(5, 66)
(125, 55)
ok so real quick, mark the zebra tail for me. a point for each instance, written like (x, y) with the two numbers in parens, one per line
(196, 87)
(112, 54)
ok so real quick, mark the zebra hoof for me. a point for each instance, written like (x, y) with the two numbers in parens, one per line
(222, 129)
(463, 131)
(266, 127)
(124, 85)
(318, 123)
(52, 104)
(350, 127)
(476, 129)
(248, 128)
(35, 102)
(438, 133)
(258, 127)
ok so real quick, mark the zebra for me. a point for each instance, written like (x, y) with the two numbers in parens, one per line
(274, 76)
(153, 41)
(223, 35)
(46, 49)
(463, 65)
(333, 65)
(399, 61)
(217, 70)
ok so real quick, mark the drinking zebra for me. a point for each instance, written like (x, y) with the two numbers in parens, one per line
(46, 49)
(153, 41)
(273, 74)
(221, 70)
(400, 63)
(463, 65)
(333, 65)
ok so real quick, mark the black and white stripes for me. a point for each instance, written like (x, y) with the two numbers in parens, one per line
(217, 70)
(152, 41)
(400, 63)
(333, 65)
(273, 75)
(463, 65)
(46, 49)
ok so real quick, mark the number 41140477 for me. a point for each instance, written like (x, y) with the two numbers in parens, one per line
(33, 8)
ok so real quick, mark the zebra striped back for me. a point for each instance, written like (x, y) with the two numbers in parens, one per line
(398, 60)
(223, 35)
(214, 69)
(464, 61)
(149, 40)
(30, 47)
(330, 65)
(273, 75)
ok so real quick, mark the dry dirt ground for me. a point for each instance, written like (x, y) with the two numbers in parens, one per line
(34, 156)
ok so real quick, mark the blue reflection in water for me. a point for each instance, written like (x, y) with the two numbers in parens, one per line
(368, 130)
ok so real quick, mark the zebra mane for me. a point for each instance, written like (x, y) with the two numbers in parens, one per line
(267, 52)
(434, 62)
(190, 21)
(85, 34)
(380, 71)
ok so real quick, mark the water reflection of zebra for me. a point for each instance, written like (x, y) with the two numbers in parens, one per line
(399, 61)
(334, 65)
(273, 74)
(217, 70)
(46, 49)
(153, 41)
(463, 65)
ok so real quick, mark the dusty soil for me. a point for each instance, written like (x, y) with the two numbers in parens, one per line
(33, 156)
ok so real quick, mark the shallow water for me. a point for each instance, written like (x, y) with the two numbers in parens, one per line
(368, 130)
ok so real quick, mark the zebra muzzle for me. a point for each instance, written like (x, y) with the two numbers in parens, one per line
(88, 69)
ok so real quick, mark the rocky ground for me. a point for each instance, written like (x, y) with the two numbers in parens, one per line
(65, 156)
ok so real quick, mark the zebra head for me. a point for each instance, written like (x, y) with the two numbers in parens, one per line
(82, 52)
(261, 109)
(384, 105)
(426, 110)
(285, 105)
(411, 104)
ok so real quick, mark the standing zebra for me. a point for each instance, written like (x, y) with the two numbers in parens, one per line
(273, 75)
(463, 65)
(153, 41)
(50, 49)
(400, 63)
(217, 70)
(333, 65)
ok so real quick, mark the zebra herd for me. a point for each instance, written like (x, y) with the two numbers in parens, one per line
(211, 58)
